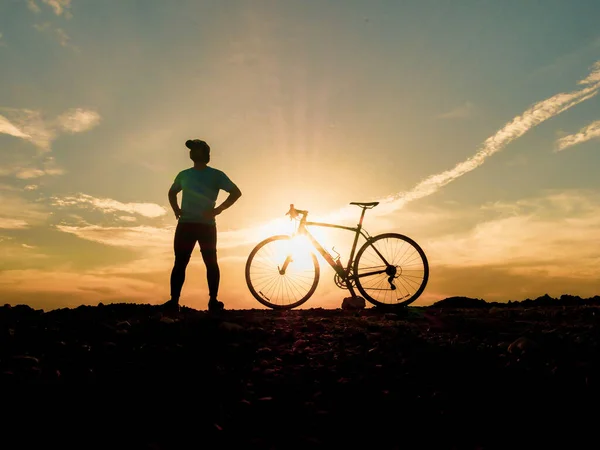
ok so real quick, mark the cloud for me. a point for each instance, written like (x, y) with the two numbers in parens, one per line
(48, 167)
(63, 38)
(59, 7)
(17, 212)
(28, 173)
(41, 27)
(460, 112)
(78, 120)
(159, 239)
(109, 205)
(59, 34)
(33, 6)
(30, 169)
(534, 234)
(65, 288)
(140, 237)
(6, 127)
(594, 76)
(592, 131)
(25, 169)
(12, 224)
(31, 125)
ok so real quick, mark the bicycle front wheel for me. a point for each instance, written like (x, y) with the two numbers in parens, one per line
(281, 272)
(391, 270)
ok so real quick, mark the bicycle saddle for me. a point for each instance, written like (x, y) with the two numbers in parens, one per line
(365, 205)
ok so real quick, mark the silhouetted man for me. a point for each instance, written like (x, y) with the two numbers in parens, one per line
(196, 220)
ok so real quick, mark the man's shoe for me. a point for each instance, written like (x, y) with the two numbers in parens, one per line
(170, 306)
(215, 306)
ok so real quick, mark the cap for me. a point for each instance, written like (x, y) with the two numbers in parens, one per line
(197, 144)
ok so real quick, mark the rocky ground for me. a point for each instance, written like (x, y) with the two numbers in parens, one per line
(128, 376)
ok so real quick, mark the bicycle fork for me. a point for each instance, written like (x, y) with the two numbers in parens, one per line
(337, 267)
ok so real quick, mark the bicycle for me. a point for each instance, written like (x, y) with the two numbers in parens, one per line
(284, 265)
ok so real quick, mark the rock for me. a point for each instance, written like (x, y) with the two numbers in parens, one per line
(229, 326)
(166, 319)
(300, 344)
(523, 345)
(353, 303)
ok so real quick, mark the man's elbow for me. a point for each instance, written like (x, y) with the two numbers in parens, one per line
(236, 192)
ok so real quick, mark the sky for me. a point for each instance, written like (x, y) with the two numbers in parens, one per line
(476, 124)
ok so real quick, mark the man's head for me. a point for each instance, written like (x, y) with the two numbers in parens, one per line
(199, 151)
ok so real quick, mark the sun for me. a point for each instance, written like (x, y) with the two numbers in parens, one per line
(300, 248)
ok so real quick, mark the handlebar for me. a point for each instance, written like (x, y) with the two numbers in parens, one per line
(293, 212)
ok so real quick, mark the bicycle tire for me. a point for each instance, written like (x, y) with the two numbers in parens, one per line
(370, 244)
(256, 292)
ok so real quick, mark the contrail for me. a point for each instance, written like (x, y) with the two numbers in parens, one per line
(592, 131)
(514, 129)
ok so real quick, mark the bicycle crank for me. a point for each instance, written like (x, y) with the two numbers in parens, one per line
(343, 284)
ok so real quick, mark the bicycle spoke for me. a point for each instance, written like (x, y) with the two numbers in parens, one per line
(281, 290)
(407, 269)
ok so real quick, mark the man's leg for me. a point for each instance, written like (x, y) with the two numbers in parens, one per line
(208, 247)
(183, 245)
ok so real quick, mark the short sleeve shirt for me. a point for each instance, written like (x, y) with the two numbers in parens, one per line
(200, 190)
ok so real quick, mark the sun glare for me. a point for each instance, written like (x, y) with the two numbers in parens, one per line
(300, 249)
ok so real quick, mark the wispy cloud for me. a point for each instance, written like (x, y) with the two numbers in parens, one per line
(78, 120)
(63, 38)
(531, 234)
(28, 173)
(141, 237)
(17, 212)
(6, 127)
(7, 223)
(32, 126)
(25, 168)
(592, 131)
(594, 77)
(33, 6)
(29, 125)
(460, 112)
(59, 34)
(108, 205)
(59, 7)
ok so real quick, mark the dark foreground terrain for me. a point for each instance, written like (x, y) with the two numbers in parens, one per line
(127, 376)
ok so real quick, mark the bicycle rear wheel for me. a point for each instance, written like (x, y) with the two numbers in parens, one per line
(278, 290)
(396, 280)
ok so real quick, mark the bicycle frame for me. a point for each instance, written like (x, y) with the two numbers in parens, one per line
(337, 266)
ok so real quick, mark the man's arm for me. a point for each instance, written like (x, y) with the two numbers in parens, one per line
(233, 197)
(173, 201)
